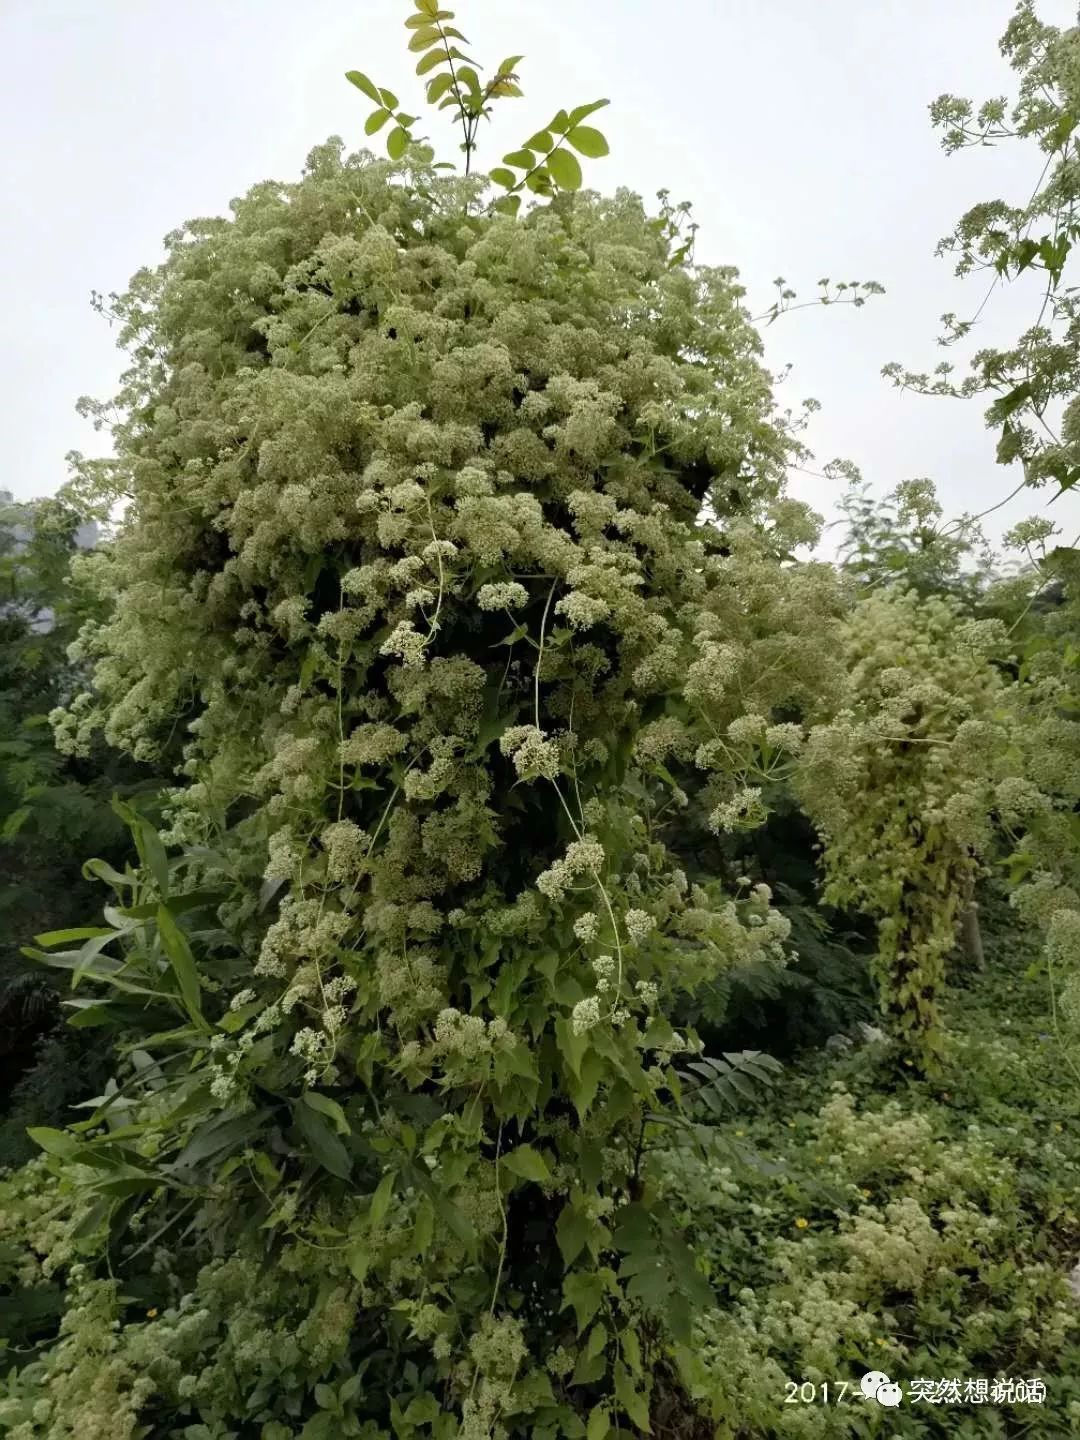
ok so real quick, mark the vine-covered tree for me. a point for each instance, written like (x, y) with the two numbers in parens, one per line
(412, 560)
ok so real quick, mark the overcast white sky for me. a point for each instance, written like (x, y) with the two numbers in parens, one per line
(798, 128)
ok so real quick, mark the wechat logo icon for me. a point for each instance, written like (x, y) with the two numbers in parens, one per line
(876, 1385)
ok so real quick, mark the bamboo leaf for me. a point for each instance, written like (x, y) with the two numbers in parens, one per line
(330, 1108)
(325, 1146)
(79, 932)
(182, 962)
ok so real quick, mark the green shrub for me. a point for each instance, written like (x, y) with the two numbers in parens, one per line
(927, 1234)
(414, 566)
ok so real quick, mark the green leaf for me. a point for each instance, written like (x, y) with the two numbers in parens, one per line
(587, 141)
(425, 38)
(15, 821)
(584, 1092)
(53, 1142)
(509, 65)
(519, 1060)
(430, 60)
(543, 140)
(438, 87)
(397, 143)
(565, 169)
(102, 870)
(581, 111)
(526, 1163)
(572, 1231)
(424, 1228)
(507, 204)
(80, 932)
(380, 1201)
(635, 1404)
(422, 1410)
(572, 1045)
(322, 1142)
(649, 1281)
(591, 1364)
(330, 1108)
(361, 81)
(234, 1020)
(389, 99)
(152, 854)
(358, 1258)
(633, 1233)
(87, 1016)
(182, 961)
(417, 22)
(95, 1217)
(457, 1220)
(503, 177)
(376, 120)
(522, 159)
(209, 1140)
(584, 1290)
(599, 1426)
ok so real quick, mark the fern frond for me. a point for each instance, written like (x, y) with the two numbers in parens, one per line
(724, 1083)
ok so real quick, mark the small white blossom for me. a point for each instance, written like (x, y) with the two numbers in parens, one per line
(507, 595)
(585, 1015)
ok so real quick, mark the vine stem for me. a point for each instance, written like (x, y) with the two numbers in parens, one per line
(1054, 1016)
(578, 830)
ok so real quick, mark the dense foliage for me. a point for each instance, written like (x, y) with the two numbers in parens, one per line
(54, 811)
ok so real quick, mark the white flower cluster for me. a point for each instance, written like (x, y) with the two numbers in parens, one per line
(467, 1037)
(585, 1014)
(587, 927)
(583, 857)
(405, 642)
(604, 969)
(639, 925)
(744, 811)
(346, 847)
(504, 595)
(582, 611)
(533, 753)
